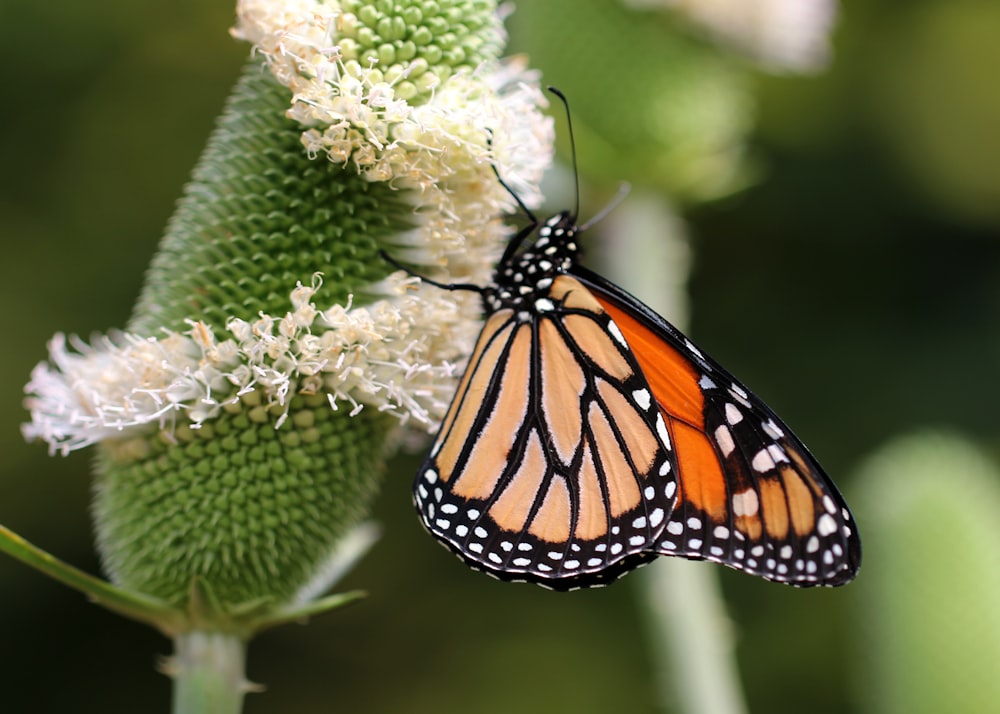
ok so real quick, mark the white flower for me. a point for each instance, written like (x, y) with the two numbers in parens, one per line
(438, 146)
(389, 354)
(784, 35)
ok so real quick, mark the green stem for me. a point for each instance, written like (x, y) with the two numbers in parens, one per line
(124, 602)
(689, 630)
(208, 672)
(692, 636)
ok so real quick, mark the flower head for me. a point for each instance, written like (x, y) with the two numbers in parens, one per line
(352, 69)
(243, 415)
(783, 35)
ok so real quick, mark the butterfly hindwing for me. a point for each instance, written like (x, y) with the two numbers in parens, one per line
(750, 495)
(551, 464)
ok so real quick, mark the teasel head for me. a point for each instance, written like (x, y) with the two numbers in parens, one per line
(274, 358)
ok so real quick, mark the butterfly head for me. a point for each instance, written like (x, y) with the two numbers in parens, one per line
(524, 277)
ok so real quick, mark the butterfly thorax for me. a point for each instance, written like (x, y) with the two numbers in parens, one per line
(523, 279)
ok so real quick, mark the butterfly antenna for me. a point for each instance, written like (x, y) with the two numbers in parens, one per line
(506, 186)
(623, 191)
(572, 147)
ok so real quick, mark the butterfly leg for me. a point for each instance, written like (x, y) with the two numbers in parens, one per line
(444, 286)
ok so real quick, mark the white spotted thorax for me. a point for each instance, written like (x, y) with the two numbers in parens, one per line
(522, 280)
(503, 506)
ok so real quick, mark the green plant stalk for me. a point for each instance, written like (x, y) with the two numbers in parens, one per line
(208, 673)
(158, 613)
(690, 634)
(135, 606)
(692, 638)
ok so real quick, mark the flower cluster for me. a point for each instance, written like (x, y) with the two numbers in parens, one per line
(401, 98)
(417, 107)
(381, 352)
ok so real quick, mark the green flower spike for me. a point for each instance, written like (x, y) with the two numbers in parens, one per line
(243, 418)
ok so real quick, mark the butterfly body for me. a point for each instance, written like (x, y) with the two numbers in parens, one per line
(565, 478)
(588, 436)
(523, 278)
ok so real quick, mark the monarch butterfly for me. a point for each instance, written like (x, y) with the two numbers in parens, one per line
(588, 436)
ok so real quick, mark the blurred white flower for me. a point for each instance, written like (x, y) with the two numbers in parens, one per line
(783, 35)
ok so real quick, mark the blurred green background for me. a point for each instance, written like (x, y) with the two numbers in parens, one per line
(855, 286)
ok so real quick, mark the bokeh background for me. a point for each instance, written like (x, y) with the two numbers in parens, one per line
(854, 282)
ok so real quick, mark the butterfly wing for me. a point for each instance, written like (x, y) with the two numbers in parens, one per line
(550, 464)
(750, 495)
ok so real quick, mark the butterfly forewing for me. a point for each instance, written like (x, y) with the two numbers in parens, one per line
(750, 495)
(551, 464)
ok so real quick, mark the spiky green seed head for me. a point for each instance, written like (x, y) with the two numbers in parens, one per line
(251, 510)
(417, 44)
(251, 507)
(244, 417)
(259, 216)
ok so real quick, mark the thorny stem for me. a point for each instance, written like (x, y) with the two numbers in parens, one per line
(208, 673)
